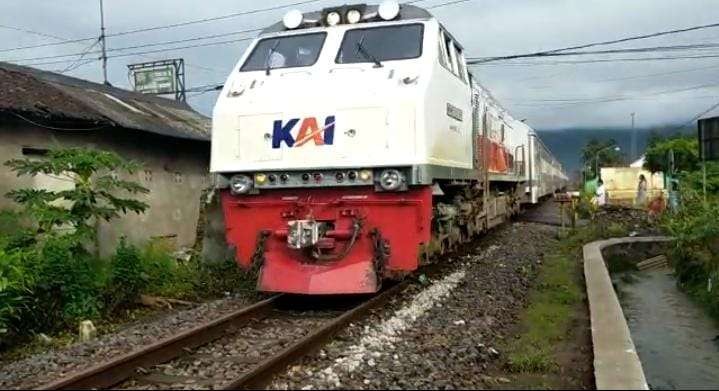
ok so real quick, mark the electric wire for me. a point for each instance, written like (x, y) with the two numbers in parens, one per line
(697, 117)
(545, 53)
(54, 127)
(74, 65)
(193, 39)
(581, 101)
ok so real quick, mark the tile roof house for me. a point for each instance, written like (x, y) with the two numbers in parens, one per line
(41, 110)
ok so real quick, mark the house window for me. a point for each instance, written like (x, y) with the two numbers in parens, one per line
(147, 176)
(178, 177)
(30, 151)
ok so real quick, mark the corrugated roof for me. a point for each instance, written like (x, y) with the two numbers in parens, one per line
(55, 96)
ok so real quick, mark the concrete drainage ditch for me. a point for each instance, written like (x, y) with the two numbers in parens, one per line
(616, 363)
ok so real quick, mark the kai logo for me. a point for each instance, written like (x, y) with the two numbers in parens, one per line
(309, 131)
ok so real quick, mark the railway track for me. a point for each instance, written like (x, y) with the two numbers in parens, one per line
(241, 350)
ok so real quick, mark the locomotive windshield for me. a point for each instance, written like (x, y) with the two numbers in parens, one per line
(285, 52)
(377, 44)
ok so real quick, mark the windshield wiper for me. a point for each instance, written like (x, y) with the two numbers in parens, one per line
(361, 49)
(268, 65)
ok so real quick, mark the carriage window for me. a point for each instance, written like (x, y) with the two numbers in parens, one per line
(381, 43)
(460, 63)
(285, 52)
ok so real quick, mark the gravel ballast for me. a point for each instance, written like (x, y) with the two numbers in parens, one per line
(46, 367)
(443, 334)
(442, 331)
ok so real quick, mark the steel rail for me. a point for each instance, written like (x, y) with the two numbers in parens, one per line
(261, 375)
(114, 371)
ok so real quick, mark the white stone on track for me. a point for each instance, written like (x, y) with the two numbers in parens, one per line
(378, 340)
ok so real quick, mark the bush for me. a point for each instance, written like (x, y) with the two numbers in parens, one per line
(128, 277)
(16, 283)
(695, 255)
(69, 282)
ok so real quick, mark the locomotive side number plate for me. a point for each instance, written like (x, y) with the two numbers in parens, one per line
(454, 112)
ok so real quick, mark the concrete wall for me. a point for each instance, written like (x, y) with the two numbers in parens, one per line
(622, 182)
(175, 171)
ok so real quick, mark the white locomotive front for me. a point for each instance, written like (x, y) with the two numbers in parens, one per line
(353, 141)
(353, 95)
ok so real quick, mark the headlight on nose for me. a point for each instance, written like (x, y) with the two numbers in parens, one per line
(241, 184)
(391, 180)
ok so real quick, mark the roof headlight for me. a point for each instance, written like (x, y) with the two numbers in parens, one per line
(241, 184)
(391, 179)
(333, 18)
(293, 19)
(389, 10)
(353, 16)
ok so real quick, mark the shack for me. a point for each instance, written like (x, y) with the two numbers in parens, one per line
(42, 110)
(622, 183)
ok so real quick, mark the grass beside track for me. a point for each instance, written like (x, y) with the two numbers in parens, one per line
(552, 346)
(549, 315)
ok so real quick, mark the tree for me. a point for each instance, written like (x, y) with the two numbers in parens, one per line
(603, 151)
(686, 153)
(94, 196)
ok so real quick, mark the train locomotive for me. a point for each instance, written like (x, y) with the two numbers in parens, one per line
(352, 145)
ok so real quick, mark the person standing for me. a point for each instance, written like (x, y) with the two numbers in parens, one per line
(641, 191)
(601, 193)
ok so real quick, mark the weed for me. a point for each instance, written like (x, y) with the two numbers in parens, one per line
(547, 319)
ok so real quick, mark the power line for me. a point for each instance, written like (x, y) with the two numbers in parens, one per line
(698, 116)
(580, 101)
(33, 32)
(211, 19)
(443, 4)
(53, 127)
(651, 49)
(611, 79)
(75, 65)
(193, 38)
(161, 27)
(164, 43)
(593, 44)
(608, 60)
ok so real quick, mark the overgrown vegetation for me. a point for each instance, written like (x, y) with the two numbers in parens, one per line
(552, 305)
(695, 254)
(685, 149)
(600, 153)
(50, 275)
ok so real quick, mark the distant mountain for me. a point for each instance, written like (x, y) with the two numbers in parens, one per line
(567, 144)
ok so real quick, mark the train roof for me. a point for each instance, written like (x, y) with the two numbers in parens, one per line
(371, 14)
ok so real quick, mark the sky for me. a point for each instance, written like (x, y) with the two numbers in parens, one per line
(550, 93)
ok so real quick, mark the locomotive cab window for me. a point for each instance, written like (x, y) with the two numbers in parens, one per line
(450, 56)
(461, 68)
(443, 54)
(377, 44)
(291, 51)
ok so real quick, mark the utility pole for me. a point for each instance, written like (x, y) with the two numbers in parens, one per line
(633, 155)
(102, 43)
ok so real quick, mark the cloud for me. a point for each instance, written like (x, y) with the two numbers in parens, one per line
(485, 28)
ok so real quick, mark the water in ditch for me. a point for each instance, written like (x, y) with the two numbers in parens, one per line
(677, 342)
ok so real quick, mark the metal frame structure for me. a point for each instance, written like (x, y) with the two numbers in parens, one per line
(179, 66)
